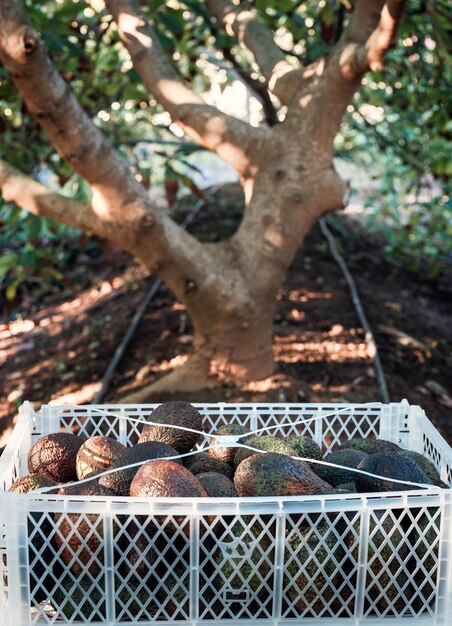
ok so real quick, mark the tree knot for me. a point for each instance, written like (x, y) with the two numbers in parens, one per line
(147, 221)
(190, 286)
(24, 43)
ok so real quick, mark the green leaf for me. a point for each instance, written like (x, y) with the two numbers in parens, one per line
(51, 272)
(8, 261)
(33, 227)
(11, 290)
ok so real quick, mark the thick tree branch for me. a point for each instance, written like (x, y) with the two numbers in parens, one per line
(40, 200)
(120, 209)
(322, 103)
(372, 32)
(225, 135)
(258, 38)
(72, 133)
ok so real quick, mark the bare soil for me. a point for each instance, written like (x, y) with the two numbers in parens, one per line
(60, 348)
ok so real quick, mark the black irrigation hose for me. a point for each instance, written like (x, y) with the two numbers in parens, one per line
(152, 292)
(370, 339)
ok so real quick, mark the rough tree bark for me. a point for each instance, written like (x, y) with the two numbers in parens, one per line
(287, 172)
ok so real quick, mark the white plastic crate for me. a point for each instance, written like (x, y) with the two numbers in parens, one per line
(329, 560)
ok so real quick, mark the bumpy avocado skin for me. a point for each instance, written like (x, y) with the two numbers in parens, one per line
(311, 572)
(78, 600)
(166, 479)
(266, 443)
(188, 461)
(305, 447)
(121, 480)
(174, 413)
(371, 446)
(212, 465)
(80, 535)
(40, 530)
(273, 474)
(217, 485)
(345, 458)
(227, 453)
(426, 466)
(55, 456)
(97, 454)
(30, 482)
(389, 465)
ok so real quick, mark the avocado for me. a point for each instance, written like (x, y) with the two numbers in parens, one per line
(212, 465)
(266, 443)
(273, 474)
(389, 465)
(426, 466)
(174, 414)
(313, 564)
(424, 537)
(82, 599)
(41, 550)
(371, 446)
(388, 576)
(121, 480)
(55, 456)
(345, 458)
(243, 551)
(188, 461)
(30, 482)
(226, 453)
(80, 536)
(173, 598)
(217, 485)
(346, 488)
(166, 479)
(305, 447)
(97, 454)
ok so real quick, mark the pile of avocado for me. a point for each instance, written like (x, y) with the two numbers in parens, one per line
(66, 552)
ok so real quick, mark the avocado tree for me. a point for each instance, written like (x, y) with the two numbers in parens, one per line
(285, 165)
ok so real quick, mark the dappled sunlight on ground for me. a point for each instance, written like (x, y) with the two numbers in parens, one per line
(83, 395)
(317, 349)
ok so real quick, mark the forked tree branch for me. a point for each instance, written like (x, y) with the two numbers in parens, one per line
(120, 209)
(223, 134)
(259, 39)
(78, 140)
(40, 200)
(372, 32)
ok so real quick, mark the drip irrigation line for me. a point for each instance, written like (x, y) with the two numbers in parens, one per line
(369, 336)
(151, 293)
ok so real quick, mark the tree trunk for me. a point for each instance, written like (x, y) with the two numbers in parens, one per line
(229, 347)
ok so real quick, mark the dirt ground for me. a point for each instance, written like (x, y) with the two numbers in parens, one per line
(60, 349)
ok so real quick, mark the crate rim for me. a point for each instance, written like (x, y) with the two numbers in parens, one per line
(28, 415)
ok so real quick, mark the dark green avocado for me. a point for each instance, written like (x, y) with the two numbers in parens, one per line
(273, 474)
(389, 465)
(371, 446)
(345, 458)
